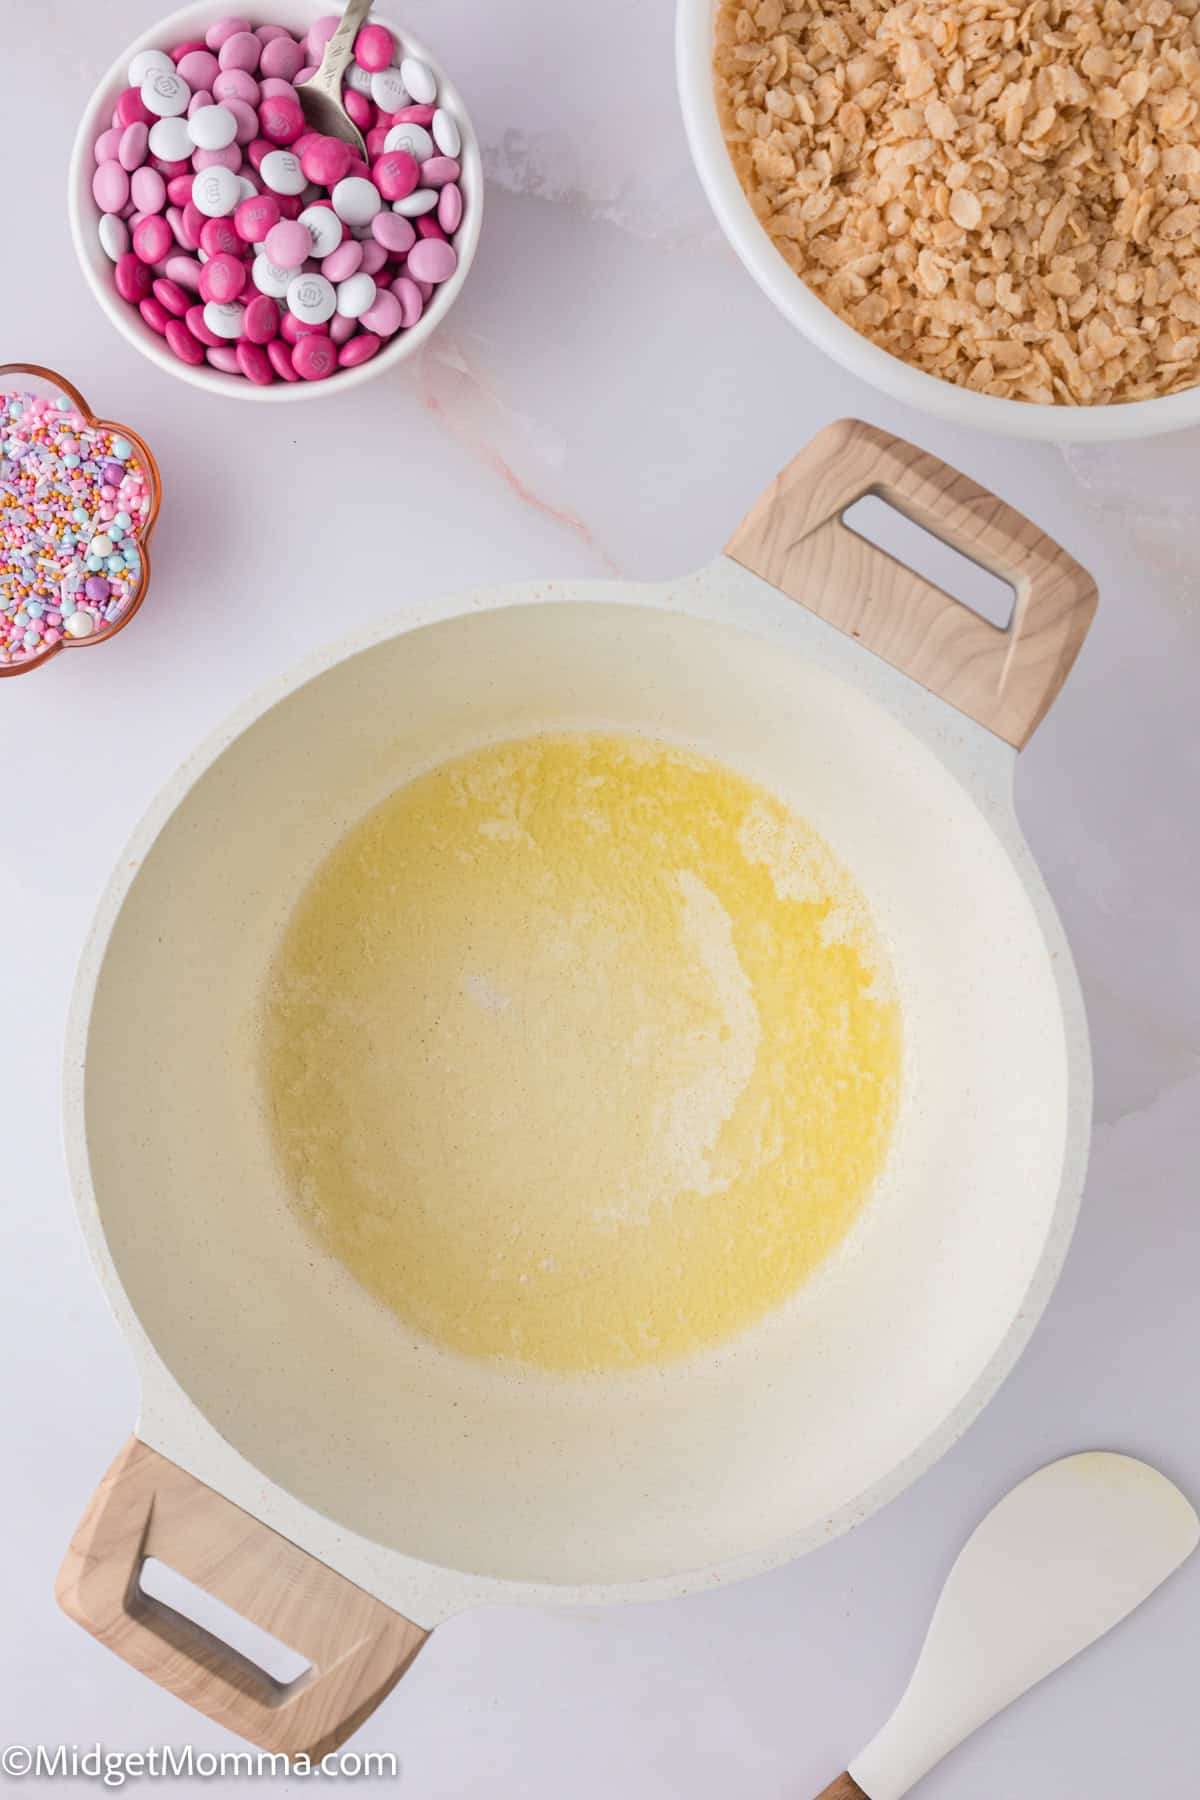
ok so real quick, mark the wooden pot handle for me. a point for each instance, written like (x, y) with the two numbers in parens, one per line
(844, 1788)
(1006, 678)
(148, 1506)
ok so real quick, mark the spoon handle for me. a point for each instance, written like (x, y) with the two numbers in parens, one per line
(844, 1788)
(339, 49)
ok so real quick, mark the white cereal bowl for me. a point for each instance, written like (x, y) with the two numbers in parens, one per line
(296, 15)
(694, 33)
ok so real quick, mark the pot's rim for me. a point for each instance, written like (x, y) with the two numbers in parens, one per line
(171, 1422)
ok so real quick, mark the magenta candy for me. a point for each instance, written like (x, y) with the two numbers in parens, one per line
(193, 224)
(241, 50)
(450, 208)
(156, 316)
(132, 277)
(397, 175)
(326, 160)
(199, 69)
(376, 140)
(385, 314)
(255, 364)
(134, 146)
(222, 279)
(282, 58)
(394, 233)
(131, 109)
(254, 218)
(107, 147)
(182, 344)
(223, 357)
(359, 350)
(181, 50)
(170, 295)
(359, 108)
(185, 271)
(169, 170)
(280, 359)
(314, 357)
(148, 190)
(152, 238)
(179, 189)
(236, 84)
(280, 119)
(227, 157)
(414, 115)
(410, 297)
(261, 321)
(221, 30)
(110, 187)
(218, 238)
(291, 328)
(344, 261)
(439, 170)
(374, 47)
(198, 329)
(288, 244)
(428, 227)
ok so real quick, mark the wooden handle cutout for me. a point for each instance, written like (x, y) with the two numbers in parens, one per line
(146, 1506)
(794, 538)
(844, 1788)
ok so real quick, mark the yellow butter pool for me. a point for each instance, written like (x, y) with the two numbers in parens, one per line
(582, 1051)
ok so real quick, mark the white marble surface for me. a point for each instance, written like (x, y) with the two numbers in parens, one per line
(608, 397)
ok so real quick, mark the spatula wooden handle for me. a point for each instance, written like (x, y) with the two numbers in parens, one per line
(1005, 678)
(148, 1506)
(844, 1788)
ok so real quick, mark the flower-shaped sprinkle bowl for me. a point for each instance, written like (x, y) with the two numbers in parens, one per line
(33, 378)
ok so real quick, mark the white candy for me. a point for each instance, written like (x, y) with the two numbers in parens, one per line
(359, 79)
(165, 93)
(324, 228)
(114, 236)
(422, 200)
(80, 624)
(355, 200)
(246, 188)
(418, 78)
(355, 294)
(171, 139)
(388, 90)
(446, 134)
(413, 138)
(216, 192)
(311, 299)
(269, 278)
(212, 127)
(144, 62)
(282, 172)
(224, 321)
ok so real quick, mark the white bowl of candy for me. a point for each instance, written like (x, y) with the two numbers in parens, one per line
(188, 203)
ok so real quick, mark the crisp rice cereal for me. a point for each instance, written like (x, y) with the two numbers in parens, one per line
(1006, 196)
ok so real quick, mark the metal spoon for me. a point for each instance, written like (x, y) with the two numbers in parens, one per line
(1062, 1559)
(321, 94)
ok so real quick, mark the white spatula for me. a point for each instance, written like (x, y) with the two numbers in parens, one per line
(1063, 1558)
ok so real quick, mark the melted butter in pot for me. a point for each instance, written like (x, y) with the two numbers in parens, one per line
(581, 1051)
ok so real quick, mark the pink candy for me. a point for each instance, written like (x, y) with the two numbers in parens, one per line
(183, 259)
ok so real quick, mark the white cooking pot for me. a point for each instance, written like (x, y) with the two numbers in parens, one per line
(299, 1452)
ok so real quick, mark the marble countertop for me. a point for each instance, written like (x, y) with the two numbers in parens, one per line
(608, 397)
